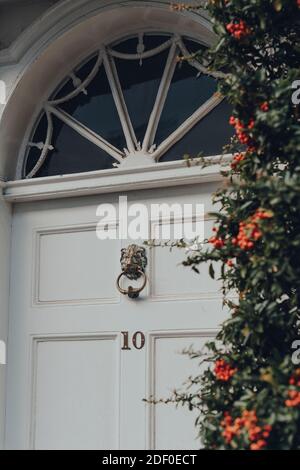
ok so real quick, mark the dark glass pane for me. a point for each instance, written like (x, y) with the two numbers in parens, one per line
(72, 154)
(64, 90)
(208, 136)
(194, 47)
(150, 42)
(186, 94)
(81, 72)
(140, 83)
(97, 110)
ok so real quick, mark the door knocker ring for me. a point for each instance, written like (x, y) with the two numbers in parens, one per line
(133, 263)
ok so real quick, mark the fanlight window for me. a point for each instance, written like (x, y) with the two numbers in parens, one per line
(131, 103)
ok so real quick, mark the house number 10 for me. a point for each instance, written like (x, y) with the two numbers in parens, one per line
(138, 340)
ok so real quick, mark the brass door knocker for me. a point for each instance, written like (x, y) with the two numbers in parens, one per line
(133, 263)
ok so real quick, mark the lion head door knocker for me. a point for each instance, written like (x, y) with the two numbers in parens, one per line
(133, 263)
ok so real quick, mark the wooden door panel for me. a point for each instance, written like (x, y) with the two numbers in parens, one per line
(69, 267)
(71, 407)
(168, 368)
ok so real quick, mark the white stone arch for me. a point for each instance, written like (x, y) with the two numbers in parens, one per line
(63, 37)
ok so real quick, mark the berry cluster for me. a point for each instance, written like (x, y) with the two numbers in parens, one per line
(241, 129)
(293, 400)
(249, 231)
(295, 379)
(216, 241)
(223, 371)
(294, 395)
(265, 105)
(248, 422)
(251, 149)
(238, 157)
(238, 29)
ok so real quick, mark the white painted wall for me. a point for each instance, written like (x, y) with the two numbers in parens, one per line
(16, 15)
(5, 225)
(14, 18)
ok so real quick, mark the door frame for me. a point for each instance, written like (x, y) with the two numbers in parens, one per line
(171, 174)
(176, 173)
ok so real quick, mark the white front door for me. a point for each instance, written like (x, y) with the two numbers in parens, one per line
(70, 383)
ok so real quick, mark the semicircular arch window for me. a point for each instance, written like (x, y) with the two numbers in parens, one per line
(131, 103)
